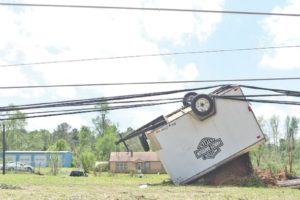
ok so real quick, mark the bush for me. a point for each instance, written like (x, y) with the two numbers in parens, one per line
(87, 160)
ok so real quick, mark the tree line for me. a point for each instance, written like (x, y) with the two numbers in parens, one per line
(87, 144)
(281, 151)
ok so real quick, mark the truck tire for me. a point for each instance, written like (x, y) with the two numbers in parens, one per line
(144, 143)
(202, 105)
(187, 98)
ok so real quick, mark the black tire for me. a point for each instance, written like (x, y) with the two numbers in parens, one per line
(188, 98)
(29, 170)
(144, 143)
(202, 105)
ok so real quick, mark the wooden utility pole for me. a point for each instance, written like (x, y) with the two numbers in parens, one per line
(4, 148)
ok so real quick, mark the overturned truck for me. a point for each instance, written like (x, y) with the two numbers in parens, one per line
(206, 133)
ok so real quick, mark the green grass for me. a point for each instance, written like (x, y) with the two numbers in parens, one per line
(122, 186)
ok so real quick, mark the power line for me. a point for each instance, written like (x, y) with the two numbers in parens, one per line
(295, 103)
(95, 101)
(150, 55)
(87, 102)
(281, 91)
(152, 9)
(94, 109)
(171, 100)
(149, 83)
(115, 98)
(88, 111)
(81, 111)
(126, 103)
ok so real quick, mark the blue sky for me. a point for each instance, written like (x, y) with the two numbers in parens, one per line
(45, 34)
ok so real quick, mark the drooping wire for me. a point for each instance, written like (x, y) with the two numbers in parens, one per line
(281, 91)
(126, 103)
(171, 100)
(141, 103)
(98, 100)
(88, 111)
(95, 101)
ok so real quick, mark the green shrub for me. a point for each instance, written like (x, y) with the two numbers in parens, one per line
(87, 159)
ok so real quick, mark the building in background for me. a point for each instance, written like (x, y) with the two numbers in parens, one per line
(144, 162)
(39, 158)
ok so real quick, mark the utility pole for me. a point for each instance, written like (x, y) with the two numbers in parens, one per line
(4, 148)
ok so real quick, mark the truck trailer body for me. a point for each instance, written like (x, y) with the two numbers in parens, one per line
(190, 144)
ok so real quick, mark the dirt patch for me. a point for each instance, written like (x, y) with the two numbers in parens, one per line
(230, 173)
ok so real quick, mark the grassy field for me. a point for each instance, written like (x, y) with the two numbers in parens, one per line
(122, 186)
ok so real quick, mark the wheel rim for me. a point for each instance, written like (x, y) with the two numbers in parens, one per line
(202, 105)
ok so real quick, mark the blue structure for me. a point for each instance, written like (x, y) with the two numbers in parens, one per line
(39, 158)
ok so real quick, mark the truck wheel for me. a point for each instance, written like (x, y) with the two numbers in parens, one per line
(202, 105)
(144, 143)
(188, 97)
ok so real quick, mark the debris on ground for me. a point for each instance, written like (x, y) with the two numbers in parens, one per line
(294, 183)
(9, 187)
(282, 179)
(267, 176)
(143, 186)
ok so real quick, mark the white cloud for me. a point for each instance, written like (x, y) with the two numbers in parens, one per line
(179, 27)
(282, 31)
(45, 34)
(50, 123)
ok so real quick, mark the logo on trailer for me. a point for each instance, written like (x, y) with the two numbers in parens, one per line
(208, 148)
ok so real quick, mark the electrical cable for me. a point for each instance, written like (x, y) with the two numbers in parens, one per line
(149, 83)
(115, 99)
(282, 91)
(95, 101)
(99, 100)
(137, 101)
(151, 55)
(89, 111)
(296, 103)
(151, 9)
(94, 108)
(91, 101)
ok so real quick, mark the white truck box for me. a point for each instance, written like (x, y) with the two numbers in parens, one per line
(189, 147)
